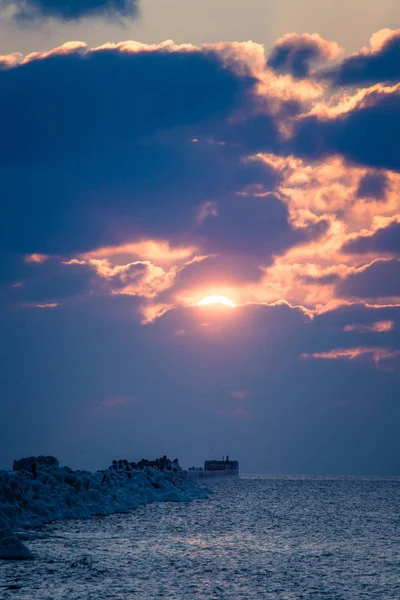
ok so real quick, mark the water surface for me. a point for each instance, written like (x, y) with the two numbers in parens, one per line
(275, 538)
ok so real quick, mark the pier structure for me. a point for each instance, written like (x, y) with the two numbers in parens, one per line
(214, 469)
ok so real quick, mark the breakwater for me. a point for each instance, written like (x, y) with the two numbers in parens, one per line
(41, 492)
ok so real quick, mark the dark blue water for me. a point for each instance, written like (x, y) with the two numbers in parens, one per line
(265, 538)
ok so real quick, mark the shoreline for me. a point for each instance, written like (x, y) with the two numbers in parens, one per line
(34, 497)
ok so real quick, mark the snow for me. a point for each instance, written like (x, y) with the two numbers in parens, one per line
(32, 499)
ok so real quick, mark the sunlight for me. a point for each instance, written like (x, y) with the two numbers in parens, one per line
(208, 300)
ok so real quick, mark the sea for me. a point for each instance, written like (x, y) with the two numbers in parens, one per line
(278, 538)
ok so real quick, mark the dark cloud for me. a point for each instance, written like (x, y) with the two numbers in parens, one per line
(103, 150)
(87, 101)
(379, 65)
(294, 54)
(373, 185)
(384, 241)
(254, 226)
(257, 133)
(53, 282)
(45, 283)
(352, 325)
(28, 11)
(379, 280)
(249, 225)
(366, 134)
(244, 327)
(333, 322)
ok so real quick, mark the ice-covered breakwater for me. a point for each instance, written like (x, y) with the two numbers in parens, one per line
(41, 492)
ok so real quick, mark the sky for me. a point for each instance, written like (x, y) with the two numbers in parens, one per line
(154, 154)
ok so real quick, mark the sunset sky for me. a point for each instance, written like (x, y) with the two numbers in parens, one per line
(156, 154)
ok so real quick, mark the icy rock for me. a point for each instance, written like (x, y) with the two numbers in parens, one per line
(173, 497)
(26, 463)
(50, 492)
(4, 523)
(5, 533)
(11, 548)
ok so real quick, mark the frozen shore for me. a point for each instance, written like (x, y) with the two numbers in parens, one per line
(35, 496)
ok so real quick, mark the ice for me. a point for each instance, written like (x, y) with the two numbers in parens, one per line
(42, 493)
(11, 548)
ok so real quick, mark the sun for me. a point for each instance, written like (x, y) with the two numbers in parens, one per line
(216, 300)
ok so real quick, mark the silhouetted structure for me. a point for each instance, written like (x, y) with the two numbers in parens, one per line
(231, 466)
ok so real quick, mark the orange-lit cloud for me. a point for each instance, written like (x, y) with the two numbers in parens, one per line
(63, 50)
(338, 201)
(145, 268)
(156, 251)
(376, 354)
(151, 312)
(10, 60)
(43, 305)
(377, 327)
(149, 281)
(36, 258)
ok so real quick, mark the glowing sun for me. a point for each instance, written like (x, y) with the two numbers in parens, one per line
(216, 300)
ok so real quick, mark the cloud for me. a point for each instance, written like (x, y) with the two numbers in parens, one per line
(243, 326)
(375, 354)
(380, 279)
(363, 130)
(165, 193)
(378, 64)
(153, 89)
(373, 185)
(385, 240)
(158, 251)
(294, 53)
(31, 11)
(51, 283)
(341, 325)
(36, 258)
(378, 327)
(254, 225)
(10, 60)
(117, 122)
(46, 305)
(141, 279)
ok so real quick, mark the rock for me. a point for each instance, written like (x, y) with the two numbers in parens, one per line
(41, 461)
(4, 523)
(172, 497)
(6, 533)
(12, 548)
(11, 586)
(60, 493)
